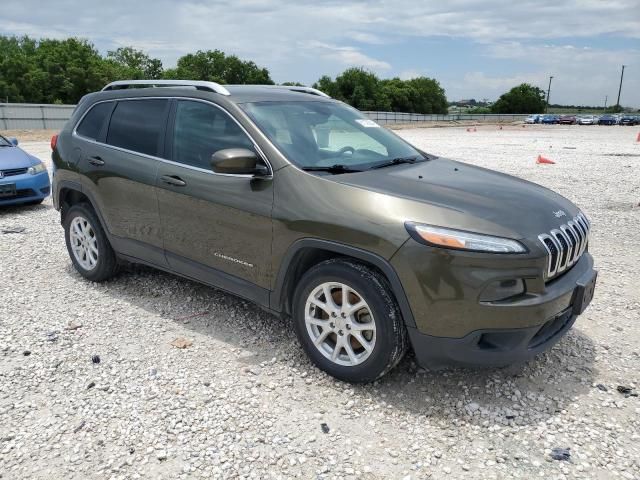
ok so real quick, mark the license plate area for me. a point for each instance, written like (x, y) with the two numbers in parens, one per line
(584, 292)
(7, 190)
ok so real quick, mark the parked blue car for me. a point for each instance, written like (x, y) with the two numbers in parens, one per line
(608, 120)
(23, 178)
(550, 119)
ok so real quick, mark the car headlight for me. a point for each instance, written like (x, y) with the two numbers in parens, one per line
(462, 240)
(39, 168)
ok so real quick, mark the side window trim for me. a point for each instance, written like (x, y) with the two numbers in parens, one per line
(102, 137)
(171, 125)
(172, 101)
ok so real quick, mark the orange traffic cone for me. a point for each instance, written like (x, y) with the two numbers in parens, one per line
(541, 159)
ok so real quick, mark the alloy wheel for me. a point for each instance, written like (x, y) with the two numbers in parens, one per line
(84, 243)
(340, 323)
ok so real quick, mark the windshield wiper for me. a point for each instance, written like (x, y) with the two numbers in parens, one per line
(338, 168)
(395, 161)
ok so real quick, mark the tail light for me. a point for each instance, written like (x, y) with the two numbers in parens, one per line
(54, 142)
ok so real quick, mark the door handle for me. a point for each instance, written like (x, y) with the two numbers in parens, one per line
(173, 180)
(97, 161)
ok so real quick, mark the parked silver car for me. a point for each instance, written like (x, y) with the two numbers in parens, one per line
(588, 120)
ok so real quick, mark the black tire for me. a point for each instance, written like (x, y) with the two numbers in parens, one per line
(107, 264)
(391, 336)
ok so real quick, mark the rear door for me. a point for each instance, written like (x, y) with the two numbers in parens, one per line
(121, 164)
(217, 228)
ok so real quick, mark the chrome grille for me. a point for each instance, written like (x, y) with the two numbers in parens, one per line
(565, 245)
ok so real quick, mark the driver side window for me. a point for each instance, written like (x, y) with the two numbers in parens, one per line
(200, 130)
(336, 134)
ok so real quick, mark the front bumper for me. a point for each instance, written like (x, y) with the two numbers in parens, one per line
(452, 326)
(490, 347)
(29, 188)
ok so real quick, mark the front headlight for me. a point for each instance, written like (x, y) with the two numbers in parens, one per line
(39, 168)
(461, 240)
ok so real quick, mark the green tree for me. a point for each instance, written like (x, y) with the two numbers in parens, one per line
(524, 98)
(327, 85)
(215, 66)
(135, 64)
(365, 91)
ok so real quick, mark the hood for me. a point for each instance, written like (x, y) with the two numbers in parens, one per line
(14, 157)
(462, 196)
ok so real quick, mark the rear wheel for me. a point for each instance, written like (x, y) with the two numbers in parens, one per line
(348, 321)
(87, 244)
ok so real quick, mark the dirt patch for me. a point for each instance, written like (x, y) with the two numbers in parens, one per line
(30, 135)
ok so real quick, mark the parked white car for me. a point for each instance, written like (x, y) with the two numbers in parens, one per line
(588, 120)
(532, 119)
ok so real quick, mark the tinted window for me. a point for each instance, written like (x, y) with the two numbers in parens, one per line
(137, 124)
(92, 123)
(201, 130)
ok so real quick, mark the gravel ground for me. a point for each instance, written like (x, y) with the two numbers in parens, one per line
(242, 401)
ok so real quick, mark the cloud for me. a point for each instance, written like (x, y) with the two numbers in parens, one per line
(528, 39)
(349, 56)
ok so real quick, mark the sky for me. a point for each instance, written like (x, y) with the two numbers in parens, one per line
(475, 49)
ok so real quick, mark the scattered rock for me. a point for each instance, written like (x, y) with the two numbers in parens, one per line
(561, 454)
(79, 427)
(182, 342)
(73, 325)
(324, 427)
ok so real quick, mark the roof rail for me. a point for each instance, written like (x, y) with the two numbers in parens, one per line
(312, 91)
(197, 84)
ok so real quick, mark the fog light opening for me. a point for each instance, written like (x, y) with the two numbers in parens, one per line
(502, 289)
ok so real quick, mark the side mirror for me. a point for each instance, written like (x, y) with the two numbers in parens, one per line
(14, 141)
(238, 161)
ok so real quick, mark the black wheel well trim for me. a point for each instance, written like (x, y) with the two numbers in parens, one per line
(77, 187)
(279, 295)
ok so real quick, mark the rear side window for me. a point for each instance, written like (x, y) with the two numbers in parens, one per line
(137, 125)
(92, 123)
(201, 130)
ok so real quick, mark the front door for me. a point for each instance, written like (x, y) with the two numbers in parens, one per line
(217, 228)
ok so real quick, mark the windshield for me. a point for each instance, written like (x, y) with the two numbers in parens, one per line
(4, 142)
(322, 134)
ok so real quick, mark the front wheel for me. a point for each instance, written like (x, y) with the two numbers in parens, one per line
(348, 321)
(87, 244)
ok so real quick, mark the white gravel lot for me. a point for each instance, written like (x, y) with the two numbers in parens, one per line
(244, 402)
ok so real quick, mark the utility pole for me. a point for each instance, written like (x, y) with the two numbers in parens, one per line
(546, 108)
(605, 103)
(620, 89)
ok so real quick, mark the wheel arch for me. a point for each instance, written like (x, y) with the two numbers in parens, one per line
(305, 253)
(71, 193)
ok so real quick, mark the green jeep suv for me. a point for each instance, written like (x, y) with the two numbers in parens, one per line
(298, 202)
